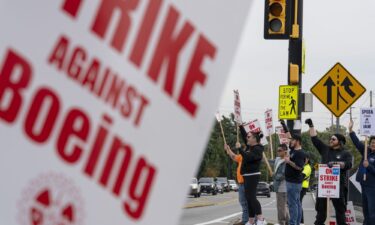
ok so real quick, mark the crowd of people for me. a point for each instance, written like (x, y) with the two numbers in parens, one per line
(292, 172)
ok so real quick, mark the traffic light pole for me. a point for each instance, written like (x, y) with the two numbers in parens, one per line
(295, 57)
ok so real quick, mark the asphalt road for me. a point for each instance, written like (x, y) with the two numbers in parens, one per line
(225, 209)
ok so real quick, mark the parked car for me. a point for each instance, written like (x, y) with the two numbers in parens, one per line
(219, 187)
(195, 188)
(271, 187)
(208, 185)
(233, 185)
(263, 189)
(224, 183)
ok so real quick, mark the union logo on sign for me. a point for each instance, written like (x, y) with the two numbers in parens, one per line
(338, 89)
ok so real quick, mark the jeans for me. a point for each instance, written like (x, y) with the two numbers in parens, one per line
(368, 202)
(294, 203)
(243, 202)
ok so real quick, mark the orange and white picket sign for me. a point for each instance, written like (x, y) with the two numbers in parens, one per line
(106, 105)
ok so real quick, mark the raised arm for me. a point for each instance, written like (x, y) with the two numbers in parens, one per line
(230, 152)
(359, 145)
(319, 145)
(285, 128)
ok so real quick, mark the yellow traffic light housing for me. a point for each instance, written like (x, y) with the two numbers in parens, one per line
(293, 73)
(277, 19)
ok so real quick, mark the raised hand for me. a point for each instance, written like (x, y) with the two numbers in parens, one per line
(350, 126)
(309, 122)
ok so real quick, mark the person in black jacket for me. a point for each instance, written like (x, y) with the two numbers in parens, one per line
(251, 159)
(366, 167)
(332, 154)
(293, 175)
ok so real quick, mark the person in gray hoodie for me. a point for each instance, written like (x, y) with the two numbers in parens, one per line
(280, 185)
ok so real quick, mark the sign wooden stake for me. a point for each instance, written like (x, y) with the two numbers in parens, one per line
(268, 164)
(222, 132)
(328, 215)
(365, 158)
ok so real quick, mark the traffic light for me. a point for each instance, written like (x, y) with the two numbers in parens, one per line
(277, 19)
(293, 73)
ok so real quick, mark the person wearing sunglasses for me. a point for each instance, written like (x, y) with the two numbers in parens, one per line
(332, 154)
(366, 167)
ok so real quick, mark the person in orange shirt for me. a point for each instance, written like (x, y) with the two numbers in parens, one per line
(241, 188)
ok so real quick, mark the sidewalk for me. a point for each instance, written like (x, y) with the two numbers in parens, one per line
(271, 221)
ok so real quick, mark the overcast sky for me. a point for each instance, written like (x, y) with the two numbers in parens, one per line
(333, 30)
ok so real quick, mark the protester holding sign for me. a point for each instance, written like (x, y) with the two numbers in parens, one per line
(241, 188)
(252, 158)
(332, 154)
(293, 176)
(368, 185)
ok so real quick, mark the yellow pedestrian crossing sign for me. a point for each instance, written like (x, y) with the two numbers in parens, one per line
(338, 90)
(288, 102)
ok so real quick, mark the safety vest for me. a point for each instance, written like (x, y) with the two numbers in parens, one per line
(307, 172)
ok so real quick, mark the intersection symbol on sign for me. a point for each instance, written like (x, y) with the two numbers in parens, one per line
(338, 89)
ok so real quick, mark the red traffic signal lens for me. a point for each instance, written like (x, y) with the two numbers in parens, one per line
(275, 25)
(276, 9)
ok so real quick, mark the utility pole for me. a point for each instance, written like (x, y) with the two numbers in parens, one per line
(295, 58)
(283, 21)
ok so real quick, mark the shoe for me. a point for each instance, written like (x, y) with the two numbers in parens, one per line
(248, 223)
(261, 222)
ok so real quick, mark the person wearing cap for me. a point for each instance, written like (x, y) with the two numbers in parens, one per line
(366, 167)
(306, 173)
(241, 188)
(252, 157)
(332, 154)
(280, 185)
(293, 176)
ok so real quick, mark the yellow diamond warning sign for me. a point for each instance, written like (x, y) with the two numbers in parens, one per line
(288, 102)
(338, 90)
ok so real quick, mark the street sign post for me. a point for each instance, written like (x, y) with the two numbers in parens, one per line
(338, 89)
(288, 102)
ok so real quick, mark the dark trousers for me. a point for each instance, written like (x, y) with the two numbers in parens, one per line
(321, 208)
(303, 193)
(253, 204)
(368, 205)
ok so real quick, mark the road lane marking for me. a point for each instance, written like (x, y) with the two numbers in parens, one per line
(221, 220)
